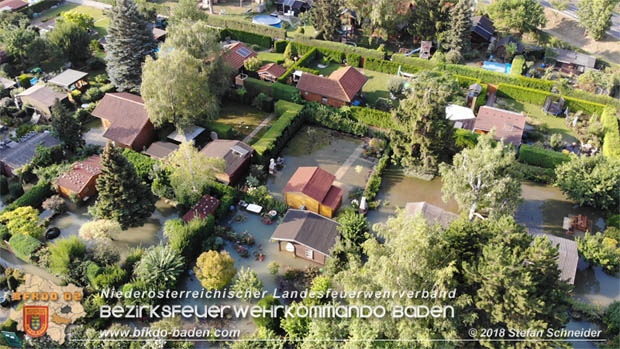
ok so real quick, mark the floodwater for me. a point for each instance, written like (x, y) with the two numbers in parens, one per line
(327, 149)
(151, 233)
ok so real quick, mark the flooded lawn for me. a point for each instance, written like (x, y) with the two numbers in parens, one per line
(151, 233)
(594, 286)
(242, 118)
(327, 149)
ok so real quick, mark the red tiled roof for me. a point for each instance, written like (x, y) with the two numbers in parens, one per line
(273, 69)
(13, 4)
(82, 172)
(234, 59)
(315, 183)
(508, 125)
(127, 116)
(343, 84)
(206, 206)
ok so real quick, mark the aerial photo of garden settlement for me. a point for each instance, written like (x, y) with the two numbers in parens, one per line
(309, 174)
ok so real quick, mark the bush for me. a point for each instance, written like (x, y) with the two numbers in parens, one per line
(280, 45)
(613, 221)
(611, 142)
(92, 94)
(395, 85)
(263, 102)
(223, 131)
(333, 118)
(4, 185)
(24, 246)
(142, 163)
(269, 322)
(109, 276)
(354, 59)
(65, 251)
(612, 318)
(15, 190)
(184, 237)
(270, 144)
(537, 174)
(374, 182)
(373, 117)
(33, 197)
(518, 64)
(5, 235)
(252, 63)
(536, 156)
(24, 80)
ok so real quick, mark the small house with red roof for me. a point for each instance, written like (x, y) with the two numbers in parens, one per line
(270, 72)
(12, 5)
(339, 89)
(80, 181)
(236, 54)
(206, 206)
(312, 188)
(125, 120)
(508, 125)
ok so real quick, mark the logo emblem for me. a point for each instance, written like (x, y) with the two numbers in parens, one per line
(35, 320)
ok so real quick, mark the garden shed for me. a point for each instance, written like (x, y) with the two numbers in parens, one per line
(41, 98)
(236, 154)
(312, 188)
(69, 78)
(81, 179)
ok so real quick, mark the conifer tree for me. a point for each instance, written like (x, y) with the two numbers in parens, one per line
(122, 197)
(458, 36)
(129, 41)
(65, 127)
(325, 17)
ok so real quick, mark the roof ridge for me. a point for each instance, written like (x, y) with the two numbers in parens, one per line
(118, 95)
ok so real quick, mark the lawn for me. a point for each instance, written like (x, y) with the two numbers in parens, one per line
(376, 86)
(555, 124)
(101, 20)
(330, 68)
(269, 57)
(242, 118)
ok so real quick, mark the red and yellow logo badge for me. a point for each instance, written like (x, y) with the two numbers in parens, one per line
(35, 320)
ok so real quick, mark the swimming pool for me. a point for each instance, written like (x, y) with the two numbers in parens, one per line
(267, 20)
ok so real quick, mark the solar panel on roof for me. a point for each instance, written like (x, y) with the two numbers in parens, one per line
(244, 52)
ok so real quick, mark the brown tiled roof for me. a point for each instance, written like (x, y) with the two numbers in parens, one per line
(508, 125)
(206, 206)
(234, 59)
(126, 113)
(343, 84)
(273, 69)
(41, 95)
(160, 150)
(315, 183)
(225, 149)
(13, 4)
(309, 229)
(81, 173)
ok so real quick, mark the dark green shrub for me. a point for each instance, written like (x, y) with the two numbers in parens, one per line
(24, 80)
(46, 156)
(223, 131)
(4, 185)
(373, 117)
(613, 221)
(269, 322)
(270, 144)
(374, 182)
(142, 163)
(33, 197)
(5, 235)
(353, 59)
(24, 246)
(184, 237)
(256, 86)
(536, 156)
(109, 276)
(286, 92)
(41, 6)
(280, 45)
(91, 95)
(15, 190)
(263, 102)
(83, 116)
(537, 174)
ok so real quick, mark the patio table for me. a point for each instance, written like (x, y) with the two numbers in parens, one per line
(254, 208)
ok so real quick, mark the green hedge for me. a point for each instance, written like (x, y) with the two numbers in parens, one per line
(491, 77)
(309, 70)
(333, 119)
(33, 197)
(270, 144)
(423, 64)
(280, 45)
(244, 25)
(250, 38)
(353, 59)
(536, 156)
(307, 57)
(374, 182)
(482, 98)
(343, 48)
(41, 6)
(518, 64)
(389, 67)
(611, 142)
(373, 117)
(142, 163)
(587, 96)
(24, 246)
(538, 97)
(575, 104)
(537, 174)
(285, 92)
(256, 86)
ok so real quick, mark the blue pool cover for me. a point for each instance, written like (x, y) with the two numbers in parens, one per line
(497, 67)
(267, 20)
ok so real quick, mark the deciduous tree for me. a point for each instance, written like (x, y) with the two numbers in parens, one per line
(522, 15)
(129, 41)
(595, 16)
(428, 19)
(122, 197)
(483, 179)
(215, 269)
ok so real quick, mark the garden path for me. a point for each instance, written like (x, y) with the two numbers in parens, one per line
(259, 127)
(349, 161)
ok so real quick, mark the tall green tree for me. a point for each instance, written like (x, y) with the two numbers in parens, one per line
(186, 10)
(129, 41)
(353, 231)
(325, 16)
(25, 46)
(428, 135)
(190, 171)
(523, 16)
(121, 195)
(591, 181)
(65, 127)
(458, 36)
(483, 179)
(595, 16)
(186, 98)
(428, 19)
(72, 40)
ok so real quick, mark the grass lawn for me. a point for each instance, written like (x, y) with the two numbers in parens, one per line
(101, 21)
(243, 118)
(331, 67)
(555, 124)
(269, 57)
(376, 86)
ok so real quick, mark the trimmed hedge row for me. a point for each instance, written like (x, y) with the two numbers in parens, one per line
(353, 59)
(424, 64)
(536, 156)
(373, 117)
(307, 57)
(374, 182)
(611, 142)
(389, 67)
(40, 6)
(333, 119)
(518, 63)
(537, 174)
(256, 86)
(491, 77)
(24, 246)
(33, 197)
(243, 25)
(270, 144)
(343, 48)
(601, 99)
(277, 90)
(250, 38)
(538, 97)
(309, 70)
